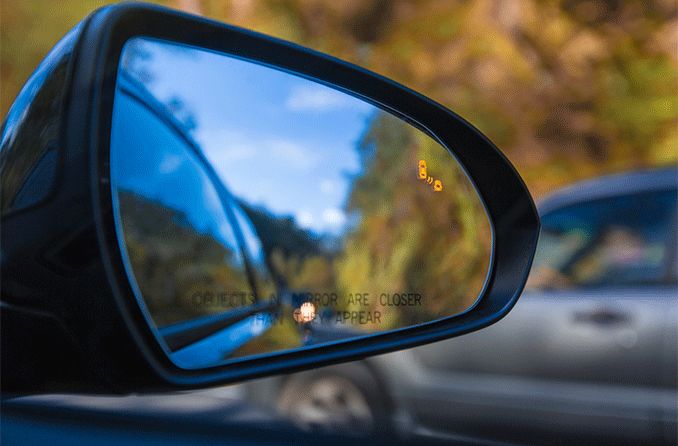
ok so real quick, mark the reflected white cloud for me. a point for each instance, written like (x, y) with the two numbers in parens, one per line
(169, 164)
(329, 187)
(238, 152)
(330, 220)
(225, 146)
(317, 98)
(293, 154)
(304, 219)
(334, 218)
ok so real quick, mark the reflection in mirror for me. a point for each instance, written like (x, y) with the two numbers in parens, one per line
(259, 211)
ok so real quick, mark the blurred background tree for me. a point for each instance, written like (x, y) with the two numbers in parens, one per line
(568, 89)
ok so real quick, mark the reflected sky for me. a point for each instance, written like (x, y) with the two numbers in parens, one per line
(277, 140)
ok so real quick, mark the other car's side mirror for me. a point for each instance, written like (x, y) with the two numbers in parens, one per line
(204, 204)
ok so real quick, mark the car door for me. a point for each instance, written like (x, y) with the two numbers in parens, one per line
(585, 350)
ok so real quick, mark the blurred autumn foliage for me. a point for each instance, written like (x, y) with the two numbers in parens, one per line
(568, 89)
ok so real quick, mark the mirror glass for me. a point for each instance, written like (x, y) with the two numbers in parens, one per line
(259, 211)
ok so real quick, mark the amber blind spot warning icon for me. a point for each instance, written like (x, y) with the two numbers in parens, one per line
(423, 175)
(422, 169)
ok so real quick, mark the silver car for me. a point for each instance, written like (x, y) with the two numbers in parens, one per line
(588, 353)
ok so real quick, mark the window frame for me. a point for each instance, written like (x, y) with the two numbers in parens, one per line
(669, 244)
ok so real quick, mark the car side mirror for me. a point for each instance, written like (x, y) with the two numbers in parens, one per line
(224, 205)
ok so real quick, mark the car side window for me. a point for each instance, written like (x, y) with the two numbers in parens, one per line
(184, 255)
(613, 242)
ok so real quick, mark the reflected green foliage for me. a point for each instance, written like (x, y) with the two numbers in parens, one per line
(174, 265)
(411, 239)
(285, 245)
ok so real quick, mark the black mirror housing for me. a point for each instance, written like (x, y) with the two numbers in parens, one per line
(61, 260)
